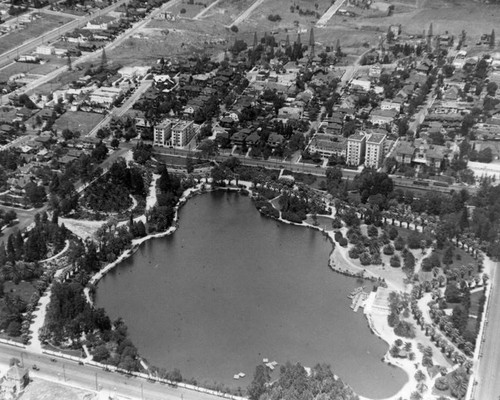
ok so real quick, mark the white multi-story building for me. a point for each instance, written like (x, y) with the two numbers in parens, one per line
(374, 155)
(162, 133)
(356, 148)
(182, 133)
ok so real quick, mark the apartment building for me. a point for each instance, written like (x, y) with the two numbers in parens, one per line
(374, 155)
(162, 133)
(182, 133)
(356, 149)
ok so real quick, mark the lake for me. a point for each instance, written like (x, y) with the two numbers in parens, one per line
(231, 287)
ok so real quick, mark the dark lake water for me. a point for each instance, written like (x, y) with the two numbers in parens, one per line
(231, 287)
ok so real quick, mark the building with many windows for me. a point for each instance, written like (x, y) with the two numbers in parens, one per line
(182, 133)
(374, 155)
(162, 133)
(356, 149)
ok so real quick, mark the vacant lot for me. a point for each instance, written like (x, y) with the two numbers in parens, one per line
(164, 38)
(292, 18)
(444, 17)
(190, 10)
(226, 11)
(78, 121)
(45, 390)
(34, 29)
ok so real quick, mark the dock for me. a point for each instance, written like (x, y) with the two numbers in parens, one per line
(358, 298)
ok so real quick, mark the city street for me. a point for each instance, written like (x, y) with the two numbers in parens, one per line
(486, 375)
(92, 378)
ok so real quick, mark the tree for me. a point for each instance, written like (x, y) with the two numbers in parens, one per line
(491, 88)
(104, 59)
(492, 39)
(115, 143)
(258, 385)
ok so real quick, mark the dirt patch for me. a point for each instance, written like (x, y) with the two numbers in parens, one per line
(160, 38)
(44, 390)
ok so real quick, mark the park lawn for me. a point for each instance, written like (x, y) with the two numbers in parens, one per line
(474, 303)
(23, 289)
(465, 258)
(34, 29)
(171, 160)
(78, 121)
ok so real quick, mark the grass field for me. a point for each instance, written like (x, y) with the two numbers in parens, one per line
(23, 289)
(78, 121)
(226, 11)
(191, 9)
(184, 37)
(41, 390)
(451, 16)
(474, 303)
(34, 29)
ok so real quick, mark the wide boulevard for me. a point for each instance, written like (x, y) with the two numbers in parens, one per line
(96, 379)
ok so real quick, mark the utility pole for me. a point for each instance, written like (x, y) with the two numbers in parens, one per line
(96, 387)
(64, 372)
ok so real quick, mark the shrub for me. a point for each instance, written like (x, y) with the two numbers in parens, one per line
(343, 242)
(442, 383)
(399, 243)
(393, 320)
(376, 259)
(365, 258)
(354, 253)
(395, 261)
(405, 329)
(183, 11)
(337, 223)
(338, 236)
(393, 233)
(274, 17)
(372, 231)
(388, 250)
(234, 28)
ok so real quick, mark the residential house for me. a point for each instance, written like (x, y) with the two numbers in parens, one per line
(361, 84)
(375, 71)
(404, 152)
(291, 112)
(382, 117)
(391, 105)
(275, 139)
(99, 23)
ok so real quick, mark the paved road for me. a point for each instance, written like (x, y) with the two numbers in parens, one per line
(55, 33)
(25, 217)
(329, 13)
(488, 386)
(93, 378)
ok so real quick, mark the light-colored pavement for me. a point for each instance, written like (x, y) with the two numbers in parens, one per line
(93, 378)
(205, 10)
(329, 13)
(245, 14)
(56, 33)
(486, 373)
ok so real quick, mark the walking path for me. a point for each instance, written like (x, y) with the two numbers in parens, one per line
(202, 12)
(246, 13)
(329, 13)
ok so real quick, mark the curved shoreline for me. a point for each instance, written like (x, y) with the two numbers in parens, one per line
(201, 189)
